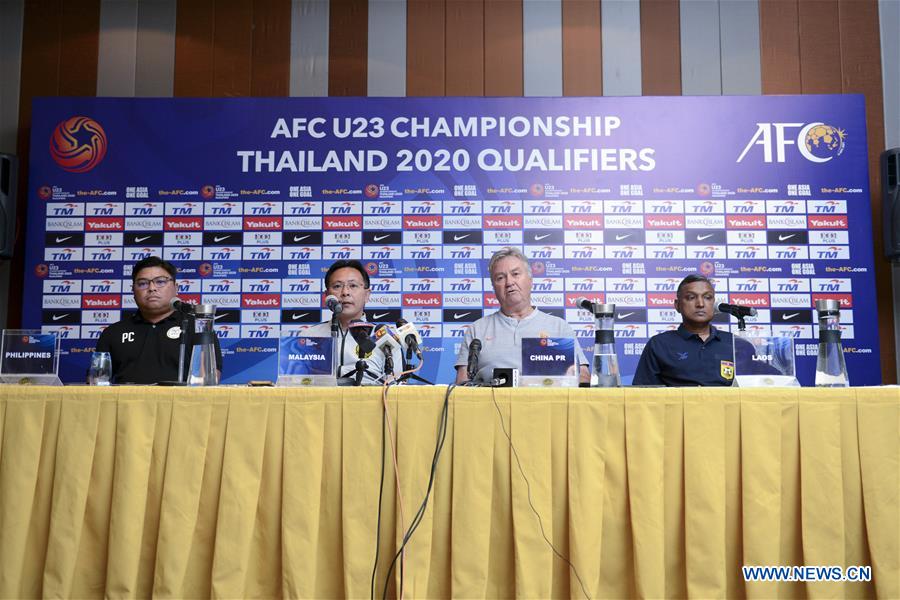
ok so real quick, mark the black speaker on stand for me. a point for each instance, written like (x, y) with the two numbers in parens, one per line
(890, 202)
(9, 168)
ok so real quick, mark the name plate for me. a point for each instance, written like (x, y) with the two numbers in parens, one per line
(548, 362)
(764, 362)
(29, 357)
(305, 361)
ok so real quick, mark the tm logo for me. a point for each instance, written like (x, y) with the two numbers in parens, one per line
(464, 285)
(226, 209)
(789, 252)
(343, 209)
(463, 252)
(263, 286)
(463, 208)
(626, 252)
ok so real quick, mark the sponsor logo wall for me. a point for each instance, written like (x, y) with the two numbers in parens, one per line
(614, 199)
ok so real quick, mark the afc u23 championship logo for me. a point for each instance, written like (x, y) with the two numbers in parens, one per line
(816, 142)
(78, 144)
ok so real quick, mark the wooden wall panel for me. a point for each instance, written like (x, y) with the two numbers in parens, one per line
(581, 48)
(194, 65)
(465, 48)
(425, 56)
(232, 48)
(503, 58)
(660, 48)
(820, 47)
(348, 44)
(60, 44)
(861, 74)
(271, 53)
(779, 46)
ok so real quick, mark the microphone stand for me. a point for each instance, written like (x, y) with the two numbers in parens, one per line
(407, 364)
(186, 323)
(336, 357)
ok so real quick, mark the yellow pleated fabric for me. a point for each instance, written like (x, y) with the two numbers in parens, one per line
(567, 493)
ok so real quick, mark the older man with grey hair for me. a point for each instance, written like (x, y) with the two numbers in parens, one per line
(501, 333)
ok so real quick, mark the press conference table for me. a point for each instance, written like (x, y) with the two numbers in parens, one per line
(239, 492)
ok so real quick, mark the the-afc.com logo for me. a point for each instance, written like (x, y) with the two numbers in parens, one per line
(78, 144)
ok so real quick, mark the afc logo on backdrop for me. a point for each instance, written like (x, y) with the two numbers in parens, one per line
(817, 142)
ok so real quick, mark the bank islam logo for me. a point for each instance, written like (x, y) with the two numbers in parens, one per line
(817, 142)
(78, 144)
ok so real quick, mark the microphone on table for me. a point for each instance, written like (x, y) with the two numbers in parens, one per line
(360, 330)
(472, 367)
(177, 304)
(411, 340)
(387, 341)
(333, 304)
(585, 304)
(737, 311)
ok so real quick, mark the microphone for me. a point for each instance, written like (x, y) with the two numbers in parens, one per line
(360, 330)
(737, 311)
(386, 340)
(333, 304)
(360, 371)
(176, 304)
(411, 338)
(585, 304)
(472, 367)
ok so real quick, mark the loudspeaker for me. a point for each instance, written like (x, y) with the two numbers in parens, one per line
(890, 202)
(9, 168)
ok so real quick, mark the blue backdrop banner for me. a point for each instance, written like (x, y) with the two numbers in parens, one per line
(613, 199)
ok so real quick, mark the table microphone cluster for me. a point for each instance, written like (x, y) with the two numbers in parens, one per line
(385, 339)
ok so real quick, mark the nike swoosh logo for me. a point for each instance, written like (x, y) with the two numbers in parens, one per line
(219, 239)
(378, 316)
(456, 238)
(217, 317)
(622, 237)
(300, 238)
(138, 240)
(58, 317)
(457, 316)
(790, 316)
(538, 238)
(625, 315)
(300, 316)
(704, 237)
(378, 238)
(61, 240)
(781, 238)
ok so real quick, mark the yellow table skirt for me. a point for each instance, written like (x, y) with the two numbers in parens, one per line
(238, 492)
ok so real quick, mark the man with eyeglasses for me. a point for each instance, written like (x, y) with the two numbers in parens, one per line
(145, 347)
(348, 281)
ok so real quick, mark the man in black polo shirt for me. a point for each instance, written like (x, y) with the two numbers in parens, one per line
(145, 347)
(696, 353)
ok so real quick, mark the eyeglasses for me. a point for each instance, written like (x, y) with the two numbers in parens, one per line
(143, 284)
(338, 286)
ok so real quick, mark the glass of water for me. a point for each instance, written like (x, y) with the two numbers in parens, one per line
(100, 372)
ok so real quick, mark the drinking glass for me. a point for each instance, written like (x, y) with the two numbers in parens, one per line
(101, 369)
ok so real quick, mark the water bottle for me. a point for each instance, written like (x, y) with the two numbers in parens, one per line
(203, 355)
(831, 370)
(606, 364)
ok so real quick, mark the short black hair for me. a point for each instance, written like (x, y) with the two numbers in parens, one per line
(693, 278)
(150, 262)
(344, 264)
